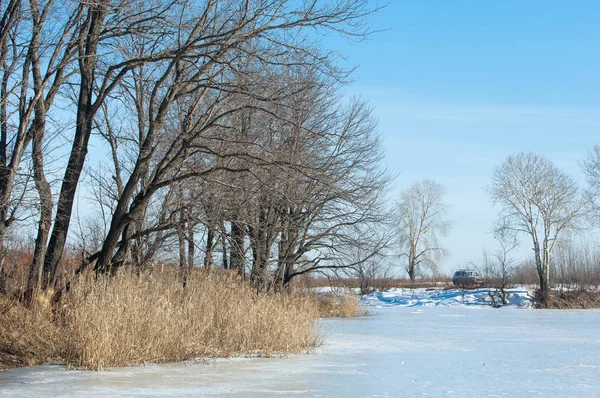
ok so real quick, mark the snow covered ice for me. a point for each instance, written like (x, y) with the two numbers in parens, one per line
(402, 350)
(439, 297)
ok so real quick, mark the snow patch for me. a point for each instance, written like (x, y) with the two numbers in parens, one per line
(437, 297)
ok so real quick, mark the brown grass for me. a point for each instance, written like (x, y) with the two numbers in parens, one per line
(28, 336)
(336, 306)
(573, 300)
(129, 319)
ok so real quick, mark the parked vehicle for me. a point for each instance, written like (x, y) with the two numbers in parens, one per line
(467, 278)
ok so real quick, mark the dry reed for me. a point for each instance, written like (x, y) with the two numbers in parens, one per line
(28, 336)
(130, 319)
(339, 306)
(572, 300)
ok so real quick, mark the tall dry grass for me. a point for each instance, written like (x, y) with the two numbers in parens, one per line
(573, 300)
(130, 319)
(28, 336)
(339, 306)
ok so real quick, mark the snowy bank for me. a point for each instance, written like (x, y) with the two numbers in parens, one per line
(404, 297)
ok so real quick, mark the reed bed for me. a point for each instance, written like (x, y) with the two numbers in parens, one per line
(130, 319)
(339, 306)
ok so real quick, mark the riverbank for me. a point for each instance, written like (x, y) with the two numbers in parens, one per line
(397, 351)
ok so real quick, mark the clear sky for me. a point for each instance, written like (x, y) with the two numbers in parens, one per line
(459, 85)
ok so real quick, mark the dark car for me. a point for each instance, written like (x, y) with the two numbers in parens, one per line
(466, 277)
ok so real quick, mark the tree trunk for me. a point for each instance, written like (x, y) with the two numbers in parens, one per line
(411, 266)
(36, 279)
(120, 257)
(258, 278)
(224, 246)
(544, 274)
(2, 271)
(237, 252)
(262, 238)
(182, 246)
(208, 260)
(121, 220)
(83, 129)
(544, 289)
(182, 241)
(191, 246)
(38, 130)
(183, 266)
(288, 274)
(260, 255)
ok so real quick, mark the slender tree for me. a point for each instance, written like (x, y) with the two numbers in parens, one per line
(591, 168)
(422, 220)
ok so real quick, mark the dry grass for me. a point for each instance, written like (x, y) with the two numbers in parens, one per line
(130, 319)
(335, 306)
(573, 300)
(28, 336)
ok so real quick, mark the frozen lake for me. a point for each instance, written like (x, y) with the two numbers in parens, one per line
(398, 351)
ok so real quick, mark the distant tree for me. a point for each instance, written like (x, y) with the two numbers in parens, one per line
(537, 199)
(422, 221)
(591, 168)
(498, 266)
(370, 257)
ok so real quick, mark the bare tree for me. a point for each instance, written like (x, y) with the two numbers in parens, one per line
(212, 114)
(537, 199)
(591, 168)
(170, 57)
(498, 266)
(36, 58)
(576, 265)
(422, 220)
(367, 268)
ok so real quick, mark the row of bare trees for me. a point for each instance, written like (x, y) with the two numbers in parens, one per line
(186, 130)
(536, 199)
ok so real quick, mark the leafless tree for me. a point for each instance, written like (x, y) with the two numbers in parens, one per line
(221, 121)
(591, 168)
(166, 55)
(422, 220)
(36, 59)
(308, 179)
(369, 268)
(498, 267)
(537, 199)
(576, 265)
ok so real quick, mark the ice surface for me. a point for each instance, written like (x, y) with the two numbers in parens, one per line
(397, 351)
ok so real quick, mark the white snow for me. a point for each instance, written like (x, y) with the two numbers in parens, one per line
(439, 297)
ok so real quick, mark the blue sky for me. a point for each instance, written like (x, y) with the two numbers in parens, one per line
(459, 85)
